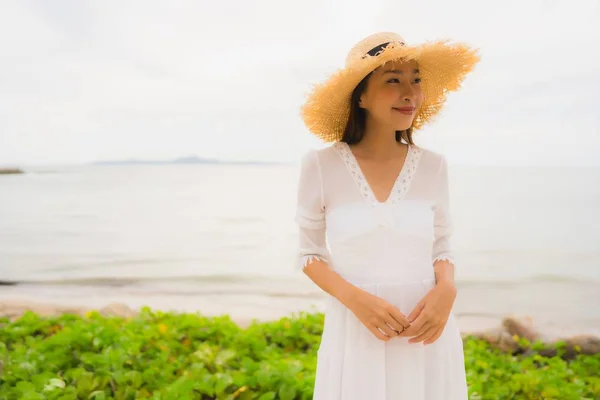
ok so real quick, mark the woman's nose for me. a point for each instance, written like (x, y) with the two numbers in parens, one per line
(408, 95)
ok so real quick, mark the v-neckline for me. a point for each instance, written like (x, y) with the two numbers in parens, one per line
(403, 177)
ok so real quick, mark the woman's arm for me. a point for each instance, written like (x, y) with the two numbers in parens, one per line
(331, 282)
(310, 217)
(442, 254)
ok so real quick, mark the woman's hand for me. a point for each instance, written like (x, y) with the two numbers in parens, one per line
(429, 317)
(376, 313)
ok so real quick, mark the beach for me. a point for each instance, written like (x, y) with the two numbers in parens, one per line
(241, 315)
(178, 238)
(245, 303)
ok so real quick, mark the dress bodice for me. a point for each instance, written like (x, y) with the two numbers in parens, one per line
(341, 222)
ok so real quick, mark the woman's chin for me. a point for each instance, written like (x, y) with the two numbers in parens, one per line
(402, 124)
(402, 127)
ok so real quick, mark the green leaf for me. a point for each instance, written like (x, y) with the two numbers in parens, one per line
(97, 395)
(287, 392)
(268, 396)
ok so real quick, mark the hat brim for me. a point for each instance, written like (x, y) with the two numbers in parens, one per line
(443, 66)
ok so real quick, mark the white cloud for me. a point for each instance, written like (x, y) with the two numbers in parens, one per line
(93, 80)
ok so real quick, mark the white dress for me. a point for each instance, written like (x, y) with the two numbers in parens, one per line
(388, 249)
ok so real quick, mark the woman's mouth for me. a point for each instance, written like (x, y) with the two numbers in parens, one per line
(405, 110)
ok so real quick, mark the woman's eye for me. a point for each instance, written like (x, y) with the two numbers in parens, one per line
(395, 80)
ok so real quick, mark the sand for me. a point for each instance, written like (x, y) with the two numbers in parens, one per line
(242, 314)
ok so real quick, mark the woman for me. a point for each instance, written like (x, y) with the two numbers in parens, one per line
(374, 224)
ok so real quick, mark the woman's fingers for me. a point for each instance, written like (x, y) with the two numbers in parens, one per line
(435, 336)
(394, 324)
(419, 325)
(424, 325)
(397, 315)
(378, 334)
(387, 326)
(389, 331)
(431, 329)
(385, 320)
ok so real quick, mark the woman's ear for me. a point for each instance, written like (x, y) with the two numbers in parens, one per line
(360, 102)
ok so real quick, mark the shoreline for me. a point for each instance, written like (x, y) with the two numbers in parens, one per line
(16, 306)
(244, 314)
(504, 334)
(556, 311)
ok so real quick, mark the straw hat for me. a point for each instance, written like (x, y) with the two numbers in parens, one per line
(443, 67)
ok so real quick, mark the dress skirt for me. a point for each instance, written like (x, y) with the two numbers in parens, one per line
(353, 364)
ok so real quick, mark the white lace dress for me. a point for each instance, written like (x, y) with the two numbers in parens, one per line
(388, 249)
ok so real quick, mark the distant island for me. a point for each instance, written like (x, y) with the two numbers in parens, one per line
(6, 171)
(181, 160)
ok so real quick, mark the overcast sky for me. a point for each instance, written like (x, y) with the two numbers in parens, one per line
(93, 80)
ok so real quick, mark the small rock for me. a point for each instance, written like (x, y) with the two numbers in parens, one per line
(501, 339)
(523, 328)
(117, 310)
(586, 344)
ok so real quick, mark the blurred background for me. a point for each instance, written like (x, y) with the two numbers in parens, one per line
(159, 146)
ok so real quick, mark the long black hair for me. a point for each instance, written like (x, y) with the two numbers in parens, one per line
(355, 126)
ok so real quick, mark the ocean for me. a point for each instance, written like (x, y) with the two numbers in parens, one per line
(220, 238)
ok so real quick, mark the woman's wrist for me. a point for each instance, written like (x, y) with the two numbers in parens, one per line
(444, 273)
(445, 282)
(346, 293)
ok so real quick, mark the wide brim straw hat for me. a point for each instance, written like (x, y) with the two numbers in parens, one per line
(443, 66)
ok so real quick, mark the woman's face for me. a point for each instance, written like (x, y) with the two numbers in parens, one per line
(392, 87)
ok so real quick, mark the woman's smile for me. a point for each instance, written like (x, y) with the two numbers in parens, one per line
(404, 110)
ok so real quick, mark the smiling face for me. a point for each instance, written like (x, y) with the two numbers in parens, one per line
(393, 95)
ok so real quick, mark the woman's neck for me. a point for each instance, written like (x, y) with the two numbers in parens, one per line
(380, 144)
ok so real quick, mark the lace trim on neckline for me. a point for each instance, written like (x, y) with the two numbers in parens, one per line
(401, 184)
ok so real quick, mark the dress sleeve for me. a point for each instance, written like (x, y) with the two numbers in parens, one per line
(310, 212)
(443, 227)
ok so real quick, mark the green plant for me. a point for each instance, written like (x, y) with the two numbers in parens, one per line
(158, 355)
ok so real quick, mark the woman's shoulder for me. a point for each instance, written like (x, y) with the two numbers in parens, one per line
(427, 152)
(317, 154)
(430, 158)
